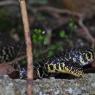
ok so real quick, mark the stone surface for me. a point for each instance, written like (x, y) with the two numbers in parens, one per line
(11, 87)
(82, 86)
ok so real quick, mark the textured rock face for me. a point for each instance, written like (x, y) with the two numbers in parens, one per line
(84, 86)
(11, 87)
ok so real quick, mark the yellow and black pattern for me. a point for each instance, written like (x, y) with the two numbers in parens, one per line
(62, 68)
(11, 51)
(71, 62)
(59, 65)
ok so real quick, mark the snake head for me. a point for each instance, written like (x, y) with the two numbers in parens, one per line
(86, 56)
(81, 56)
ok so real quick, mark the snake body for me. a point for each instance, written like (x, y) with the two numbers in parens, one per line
(71, 62)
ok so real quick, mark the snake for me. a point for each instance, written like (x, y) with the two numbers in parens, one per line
(71, 62)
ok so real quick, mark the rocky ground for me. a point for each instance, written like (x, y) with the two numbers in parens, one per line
(83, 86)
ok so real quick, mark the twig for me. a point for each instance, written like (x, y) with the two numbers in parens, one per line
(28, 46)
(56, 10)
(85, 33)
(8, 2)
(15, 60)
(56, 13)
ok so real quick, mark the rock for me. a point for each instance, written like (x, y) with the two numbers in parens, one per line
(82, 86)
(9, 86)
(52, 86)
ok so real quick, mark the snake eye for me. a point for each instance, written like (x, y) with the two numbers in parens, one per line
(89, 56)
